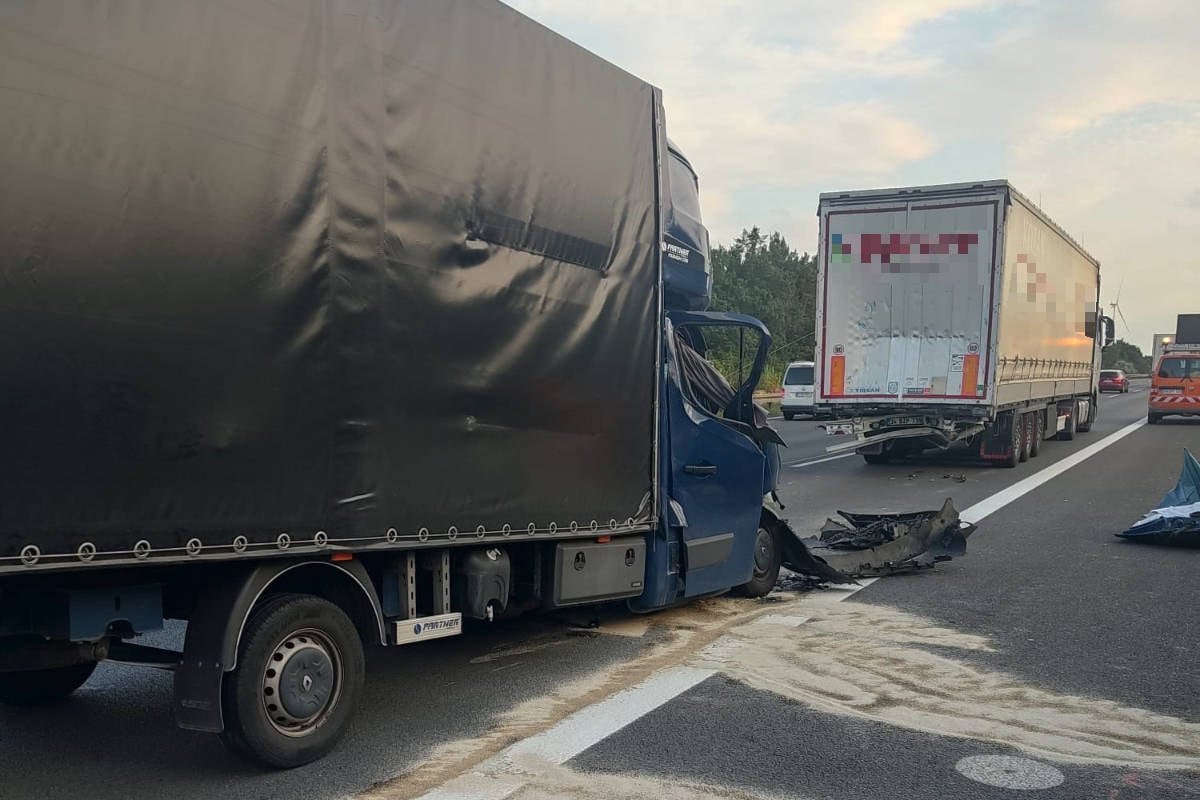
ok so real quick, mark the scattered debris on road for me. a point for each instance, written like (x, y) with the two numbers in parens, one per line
(1176, 520)
(877, 544)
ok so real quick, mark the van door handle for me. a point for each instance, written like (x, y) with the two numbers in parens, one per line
(707, 469)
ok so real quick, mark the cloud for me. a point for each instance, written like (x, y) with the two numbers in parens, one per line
(776, 101)
(741, 86)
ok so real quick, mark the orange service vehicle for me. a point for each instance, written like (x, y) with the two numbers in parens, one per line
(1175, 383)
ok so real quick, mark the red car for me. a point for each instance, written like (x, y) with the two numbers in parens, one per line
(1113, 380)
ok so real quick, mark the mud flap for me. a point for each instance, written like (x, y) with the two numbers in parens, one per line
(876, 544)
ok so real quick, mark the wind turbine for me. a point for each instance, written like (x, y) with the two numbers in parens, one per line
(1115, 305)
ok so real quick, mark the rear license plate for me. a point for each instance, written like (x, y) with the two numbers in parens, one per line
(895, 422)
(1170, 390)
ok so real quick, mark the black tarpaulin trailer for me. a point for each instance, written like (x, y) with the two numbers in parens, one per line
(243, 303)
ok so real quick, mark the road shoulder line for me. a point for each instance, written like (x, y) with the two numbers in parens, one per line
(1000, 499)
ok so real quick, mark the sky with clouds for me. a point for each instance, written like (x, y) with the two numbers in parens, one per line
(1090, 107)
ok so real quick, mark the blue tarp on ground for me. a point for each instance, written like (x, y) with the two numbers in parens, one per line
(1176, 520)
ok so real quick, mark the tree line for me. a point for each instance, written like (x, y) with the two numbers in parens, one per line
(761, 275)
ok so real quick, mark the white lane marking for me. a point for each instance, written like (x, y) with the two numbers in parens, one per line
(495, 779)
(581, 730)
(1003, 497)
(816, 461)
(562, 742)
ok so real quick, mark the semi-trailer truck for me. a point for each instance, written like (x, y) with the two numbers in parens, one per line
(954, 313)
(328, 325)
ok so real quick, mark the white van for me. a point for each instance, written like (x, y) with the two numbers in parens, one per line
(798, 389)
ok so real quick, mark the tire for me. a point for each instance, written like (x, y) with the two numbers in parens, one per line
(1093, 413)
(768, 556)
(1153, 419)
(41, 687)
(1026, 436)
(1039, 432)
(1016, 444)
(288, 641)
(1068, 431)
(789, 415)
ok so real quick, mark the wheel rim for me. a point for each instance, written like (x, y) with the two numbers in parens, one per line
(764, 552)
(302, 682)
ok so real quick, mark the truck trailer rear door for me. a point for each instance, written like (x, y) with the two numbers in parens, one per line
(907, 298)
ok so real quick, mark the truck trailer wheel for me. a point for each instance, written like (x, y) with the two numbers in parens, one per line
(41, 686)
(1085, 424)
(789, 415)
(297, 683)
(1039, 432)
(767, 558)
(1068, 431)
(1026, 436)
(1016, 440)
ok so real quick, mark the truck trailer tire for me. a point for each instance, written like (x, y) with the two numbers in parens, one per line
(1093, 412)
(1039, 432)
(767, 560)
(1016, 440)
(297, 682)
(1068, 431)
(1026, 436)
(41, 686)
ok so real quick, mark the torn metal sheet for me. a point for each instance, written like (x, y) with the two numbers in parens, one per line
(1175, 520)
(878, 544)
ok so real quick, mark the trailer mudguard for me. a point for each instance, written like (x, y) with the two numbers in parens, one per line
(215, 629)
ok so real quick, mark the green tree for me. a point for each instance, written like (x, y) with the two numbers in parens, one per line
(761, 275)
(1123, 355)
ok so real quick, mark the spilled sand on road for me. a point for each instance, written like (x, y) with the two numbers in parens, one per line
(876, 662)
(853, 659)
(681, 633)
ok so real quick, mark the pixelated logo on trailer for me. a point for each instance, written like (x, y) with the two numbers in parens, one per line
(839, 251)
(886, 247)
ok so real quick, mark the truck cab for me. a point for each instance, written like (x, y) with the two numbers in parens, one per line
(719, 457)
(687, 273)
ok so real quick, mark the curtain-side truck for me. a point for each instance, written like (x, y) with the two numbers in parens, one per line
(331, 325)
(954, 314)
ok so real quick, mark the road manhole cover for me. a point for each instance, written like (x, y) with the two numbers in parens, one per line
(1009, 772)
